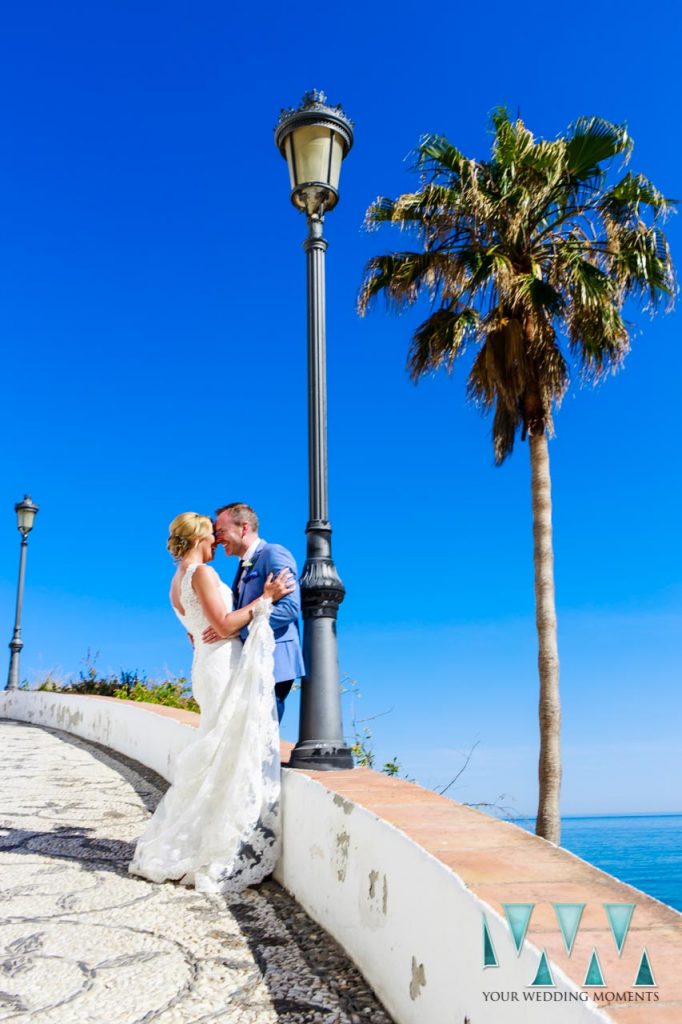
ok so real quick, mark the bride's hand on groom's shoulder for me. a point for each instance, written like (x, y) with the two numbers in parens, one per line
(280, 585)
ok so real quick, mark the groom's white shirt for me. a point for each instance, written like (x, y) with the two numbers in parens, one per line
(250, 551)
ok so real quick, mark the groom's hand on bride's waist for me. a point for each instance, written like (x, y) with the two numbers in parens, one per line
(210, 636)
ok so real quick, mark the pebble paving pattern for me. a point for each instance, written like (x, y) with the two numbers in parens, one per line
(83, 942)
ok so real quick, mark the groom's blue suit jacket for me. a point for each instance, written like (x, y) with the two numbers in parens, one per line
(272, 558)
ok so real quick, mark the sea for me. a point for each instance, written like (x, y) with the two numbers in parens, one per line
(644, 850)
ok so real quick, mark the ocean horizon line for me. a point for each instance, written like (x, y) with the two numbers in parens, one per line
(630, 814)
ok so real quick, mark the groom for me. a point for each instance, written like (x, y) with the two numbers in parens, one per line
(236, 528)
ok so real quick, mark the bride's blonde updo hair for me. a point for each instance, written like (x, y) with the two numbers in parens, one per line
(185, 531)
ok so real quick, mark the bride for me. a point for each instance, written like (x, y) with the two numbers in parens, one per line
(217, 827)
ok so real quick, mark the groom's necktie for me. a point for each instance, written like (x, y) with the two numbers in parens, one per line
(240, 577)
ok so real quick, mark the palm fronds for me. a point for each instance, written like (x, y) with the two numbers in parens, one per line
(519, 252)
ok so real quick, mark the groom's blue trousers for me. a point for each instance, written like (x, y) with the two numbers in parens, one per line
(281, 693)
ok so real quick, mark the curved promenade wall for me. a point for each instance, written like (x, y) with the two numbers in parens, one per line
(403, 879)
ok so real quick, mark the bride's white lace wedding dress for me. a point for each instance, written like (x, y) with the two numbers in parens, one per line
(217, 827)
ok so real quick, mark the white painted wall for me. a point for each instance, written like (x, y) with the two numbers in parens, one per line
(403, 916)
(407, 920)
(123, 725)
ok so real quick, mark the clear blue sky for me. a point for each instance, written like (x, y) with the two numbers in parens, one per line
(153, 320)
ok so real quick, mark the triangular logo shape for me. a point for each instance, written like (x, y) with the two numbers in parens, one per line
(518, 916)
(489, 955)
(544, 973)
(645, 976)
(594, 977)
(620, 916)
(568, 916)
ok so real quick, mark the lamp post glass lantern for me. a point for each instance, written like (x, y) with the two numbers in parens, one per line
(314, 139)
(26, 512)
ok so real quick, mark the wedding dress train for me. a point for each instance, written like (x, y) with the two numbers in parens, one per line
(217, 827)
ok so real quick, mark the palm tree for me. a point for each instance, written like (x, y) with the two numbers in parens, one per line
(530, 256)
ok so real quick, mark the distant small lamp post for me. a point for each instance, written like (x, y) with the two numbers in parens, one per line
(314, 139)
(26, 513)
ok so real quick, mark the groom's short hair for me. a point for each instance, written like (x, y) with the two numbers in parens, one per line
(240, 513)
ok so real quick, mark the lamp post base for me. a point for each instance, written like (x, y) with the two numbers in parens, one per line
(318, 756)
(321, 745)
(13, 677)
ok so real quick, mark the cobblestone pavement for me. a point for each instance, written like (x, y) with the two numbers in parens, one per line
(83, 942)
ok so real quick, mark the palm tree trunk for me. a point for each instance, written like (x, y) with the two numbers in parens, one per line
(548, 824)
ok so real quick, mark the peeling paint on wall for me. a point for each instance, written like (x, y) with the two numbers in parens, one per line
(68, 720)
(347, 805)
(418, 979)
(342, 843)
(374, 877)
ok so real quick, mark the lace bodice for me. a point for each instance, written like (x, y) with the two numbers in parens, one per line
(194, 620)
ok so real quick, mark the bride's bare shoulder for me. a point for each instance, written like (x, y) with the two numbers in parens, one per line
(204, 576)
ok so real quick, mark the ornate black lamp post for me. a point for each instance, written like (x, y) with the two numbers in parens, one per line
(314, 139)
(26, 513)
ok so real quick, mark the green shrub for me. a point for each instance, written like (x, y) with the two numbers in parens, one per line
(173, 692)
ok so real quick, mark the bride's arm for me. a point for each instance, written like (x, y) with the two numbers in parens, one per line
(205, 582)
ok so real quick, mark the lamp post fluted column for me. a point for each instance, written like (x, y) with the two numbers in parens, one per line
(16, 643)
(314, 139)
(26, 512)
(320, 743)
(315, 247)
